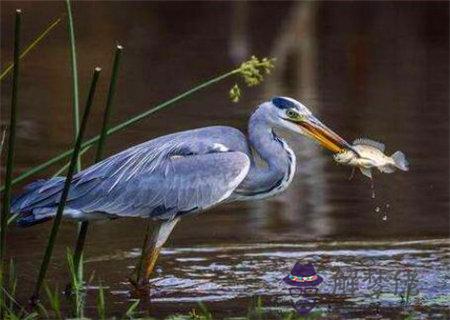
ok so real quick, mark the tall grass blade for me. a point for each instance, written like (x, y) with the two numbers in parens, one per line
(109, 102)
(67, 164)
(10, 156)
(101, 306)
(13, 309)
(30, 316)
(33, 44)
(205, 314)
(242, 70)
(131, 309)
(12, 282)
(12, 218)
(99, 154)
(55, 303)
(77, 284)
(65, 192)
(43, 311)
(74, 68)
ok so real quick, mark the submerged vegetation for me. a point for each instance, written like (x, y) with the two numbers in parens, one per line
(251, 72)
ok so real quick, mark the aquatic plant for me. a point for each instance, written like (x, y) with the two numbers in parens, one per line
(255, 310)
(12, 282)
(235, 93)
(74, 71)
(77, 284)
(55, 302)
(100, 147)
(65, 191)
(5, 210)
(33, 44)
(66, 165)
(101, 305)
(132, 308)
(11, 308)
(252, 71)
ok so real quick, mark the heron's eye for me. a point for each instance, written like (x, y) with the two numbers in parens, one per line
(291, 114)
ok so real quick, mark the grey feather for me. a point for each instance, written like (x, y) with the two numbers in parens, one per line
(161, 178)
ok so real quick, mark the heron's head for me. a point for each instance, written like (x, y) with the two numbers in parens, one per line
(290, 114)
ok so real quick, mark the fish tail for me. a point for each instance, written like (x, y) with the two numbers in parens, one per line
(400, 160)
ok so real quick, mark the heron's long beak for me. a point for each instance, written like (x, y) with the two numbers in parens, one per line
(325, 136)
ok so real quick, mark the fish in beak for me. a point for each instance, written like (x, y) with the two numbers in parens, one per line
(324, 135)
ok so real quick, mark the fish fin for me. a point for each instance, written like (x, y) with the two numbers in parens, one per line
(366, 172)
(378, 145)
(387, 169)
(400, 160)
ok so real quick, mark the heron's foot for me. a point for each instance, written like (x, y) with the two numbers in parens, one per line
(141, 288)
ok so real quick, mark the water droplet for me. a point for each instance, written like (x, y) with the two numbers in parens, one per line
(388, 205)
(377, 209)
(372, 187)
(384, 217)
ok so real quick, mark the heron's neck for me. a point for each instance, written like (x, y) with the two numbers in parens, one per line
(273, 177)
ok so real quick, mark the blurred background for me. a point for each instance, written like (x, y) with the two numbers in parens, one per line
(378, 70)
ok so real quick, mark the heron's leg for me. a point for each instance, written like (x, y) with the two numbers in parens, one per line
(138, 268)
(150, 255)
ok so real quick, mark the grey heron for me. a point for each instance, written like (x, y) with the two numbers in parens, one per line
(183, 173)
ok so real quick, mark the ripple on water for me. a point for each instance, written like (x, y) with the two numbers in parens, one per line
(247, 271)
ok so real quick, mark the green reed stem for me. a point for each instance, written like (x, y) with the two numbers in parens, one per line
(65, 191)
(5, 212)
(124, 125)
(67, 164)
(11, 147)
(73, 63)
(33, 44)
(100, 148)
(109, 102)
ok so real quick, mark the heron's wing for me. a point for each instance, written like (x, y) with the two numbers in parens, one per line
(160, 178)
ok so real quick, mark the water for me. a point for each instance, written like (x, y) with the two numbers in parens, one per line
(372, 189)
(231, 274)
(374, 70)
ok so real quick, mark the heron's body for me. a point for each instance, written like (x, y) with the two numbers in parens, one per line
(182, 173)
(164, 178)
